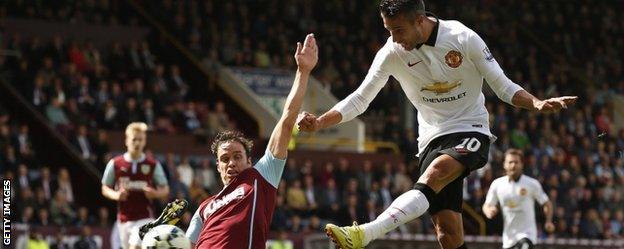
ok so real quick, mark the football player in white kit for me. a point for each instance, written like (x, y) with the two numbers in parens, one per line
(516, 194)
(440, 65)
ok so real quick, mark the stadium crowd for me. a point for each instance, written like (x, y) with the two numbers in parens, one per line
(577, 155)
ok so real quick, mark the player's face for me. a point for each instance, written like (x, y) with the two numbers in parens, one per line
(405, 30)
(135, 142)
(231, 160)
(513, 165)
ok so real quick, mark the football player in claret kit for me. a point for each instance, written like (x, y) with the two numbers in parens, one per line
(240, 215)
(440, 65)
(516, 194)
(133, 180)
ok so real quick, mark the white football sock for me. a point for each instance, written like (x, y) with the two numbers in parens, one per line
(408, 206)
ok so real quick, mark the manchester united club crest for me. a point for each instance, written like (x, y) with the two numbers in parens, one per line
(453, 59)
(523, 192)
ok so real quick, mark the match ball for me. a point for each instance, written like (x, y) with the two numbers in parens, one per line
(165, 236)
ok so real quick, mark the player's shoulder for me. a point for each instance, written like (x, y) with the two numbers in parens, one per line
(116, 159)
(151, 160)
(497, 182)
(389, 47)
(454, 31)
(454, 27)
(531, 180)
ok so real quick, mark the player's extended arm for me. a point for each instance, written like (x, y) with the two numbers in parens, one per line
(306, 57)
(548, 214)
(357, 102)
(489, 210)
(526, 100)
(504, 88)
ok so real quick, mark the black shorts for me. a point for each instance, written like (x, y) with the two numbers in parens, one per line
(522, 244)
(469, 148)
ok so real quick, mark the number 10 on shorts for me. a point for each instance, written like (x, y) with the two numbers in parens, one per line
(469, 143)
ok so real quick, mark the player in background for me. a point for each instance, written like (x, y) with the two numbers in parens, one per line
(133, 180)
(240, 215)
(440, 65)
(516, 193)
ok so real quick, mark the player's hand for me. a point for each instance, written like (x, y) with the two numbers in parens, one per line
(123, 194)
(150, 193)
(306, 55)
(549, 227)
(490, 211)
(307, 122)
(555, 104)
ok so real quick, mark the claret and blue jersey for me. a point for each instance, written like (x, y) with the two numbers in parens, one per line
(240, 215)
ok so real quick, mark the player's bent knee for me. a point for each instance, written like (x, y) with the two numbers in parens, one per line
(442, 171)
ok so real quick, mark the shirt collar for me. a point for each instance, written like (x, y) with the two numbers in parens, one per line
(512, 180)
(127, 157)
(433, 37)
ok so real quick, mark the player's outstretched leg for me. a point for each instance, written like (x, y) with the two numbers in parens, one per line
(408, 206)
(170, 215)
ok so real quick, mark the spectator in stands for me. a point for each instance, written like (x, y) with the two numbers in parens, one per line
(86, 240)
(64, 184)
(365, 175)
(59, 242)
(46, 183)
(55, 113)
(36, 240)
(196, 190)
(329, 198)
(28, 215)
(208, 176)
(103, 220)
(43, 217)
(312, 194)
(178, 83)
(23, 177)
(101, 147)
(185, 171)
(83, 218)
(82, 142)
(61, 211)
(296, 198)
(291, 172)
(281, 214)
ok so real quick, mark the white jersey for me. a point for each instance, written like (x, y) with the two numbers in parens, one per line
(517, 200)
(442, 79)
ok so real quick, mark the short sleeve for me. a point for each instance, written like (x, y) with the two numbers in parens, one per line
(195, 227)
(271, 168)
(108, 178)
(159, 175)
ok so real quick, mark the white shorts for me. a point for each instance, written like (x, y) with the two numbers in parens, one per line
(129, 232)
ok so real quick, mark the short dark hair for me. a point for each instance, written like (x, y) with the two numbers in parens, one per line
(392, 8)
(514, 152)
(229, 136)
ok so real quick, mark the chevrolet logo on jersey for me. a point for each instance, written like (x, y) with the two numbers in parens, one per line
(441, 87)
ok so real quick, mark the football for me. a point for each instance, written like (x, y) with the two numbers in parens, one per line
(165, 236)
